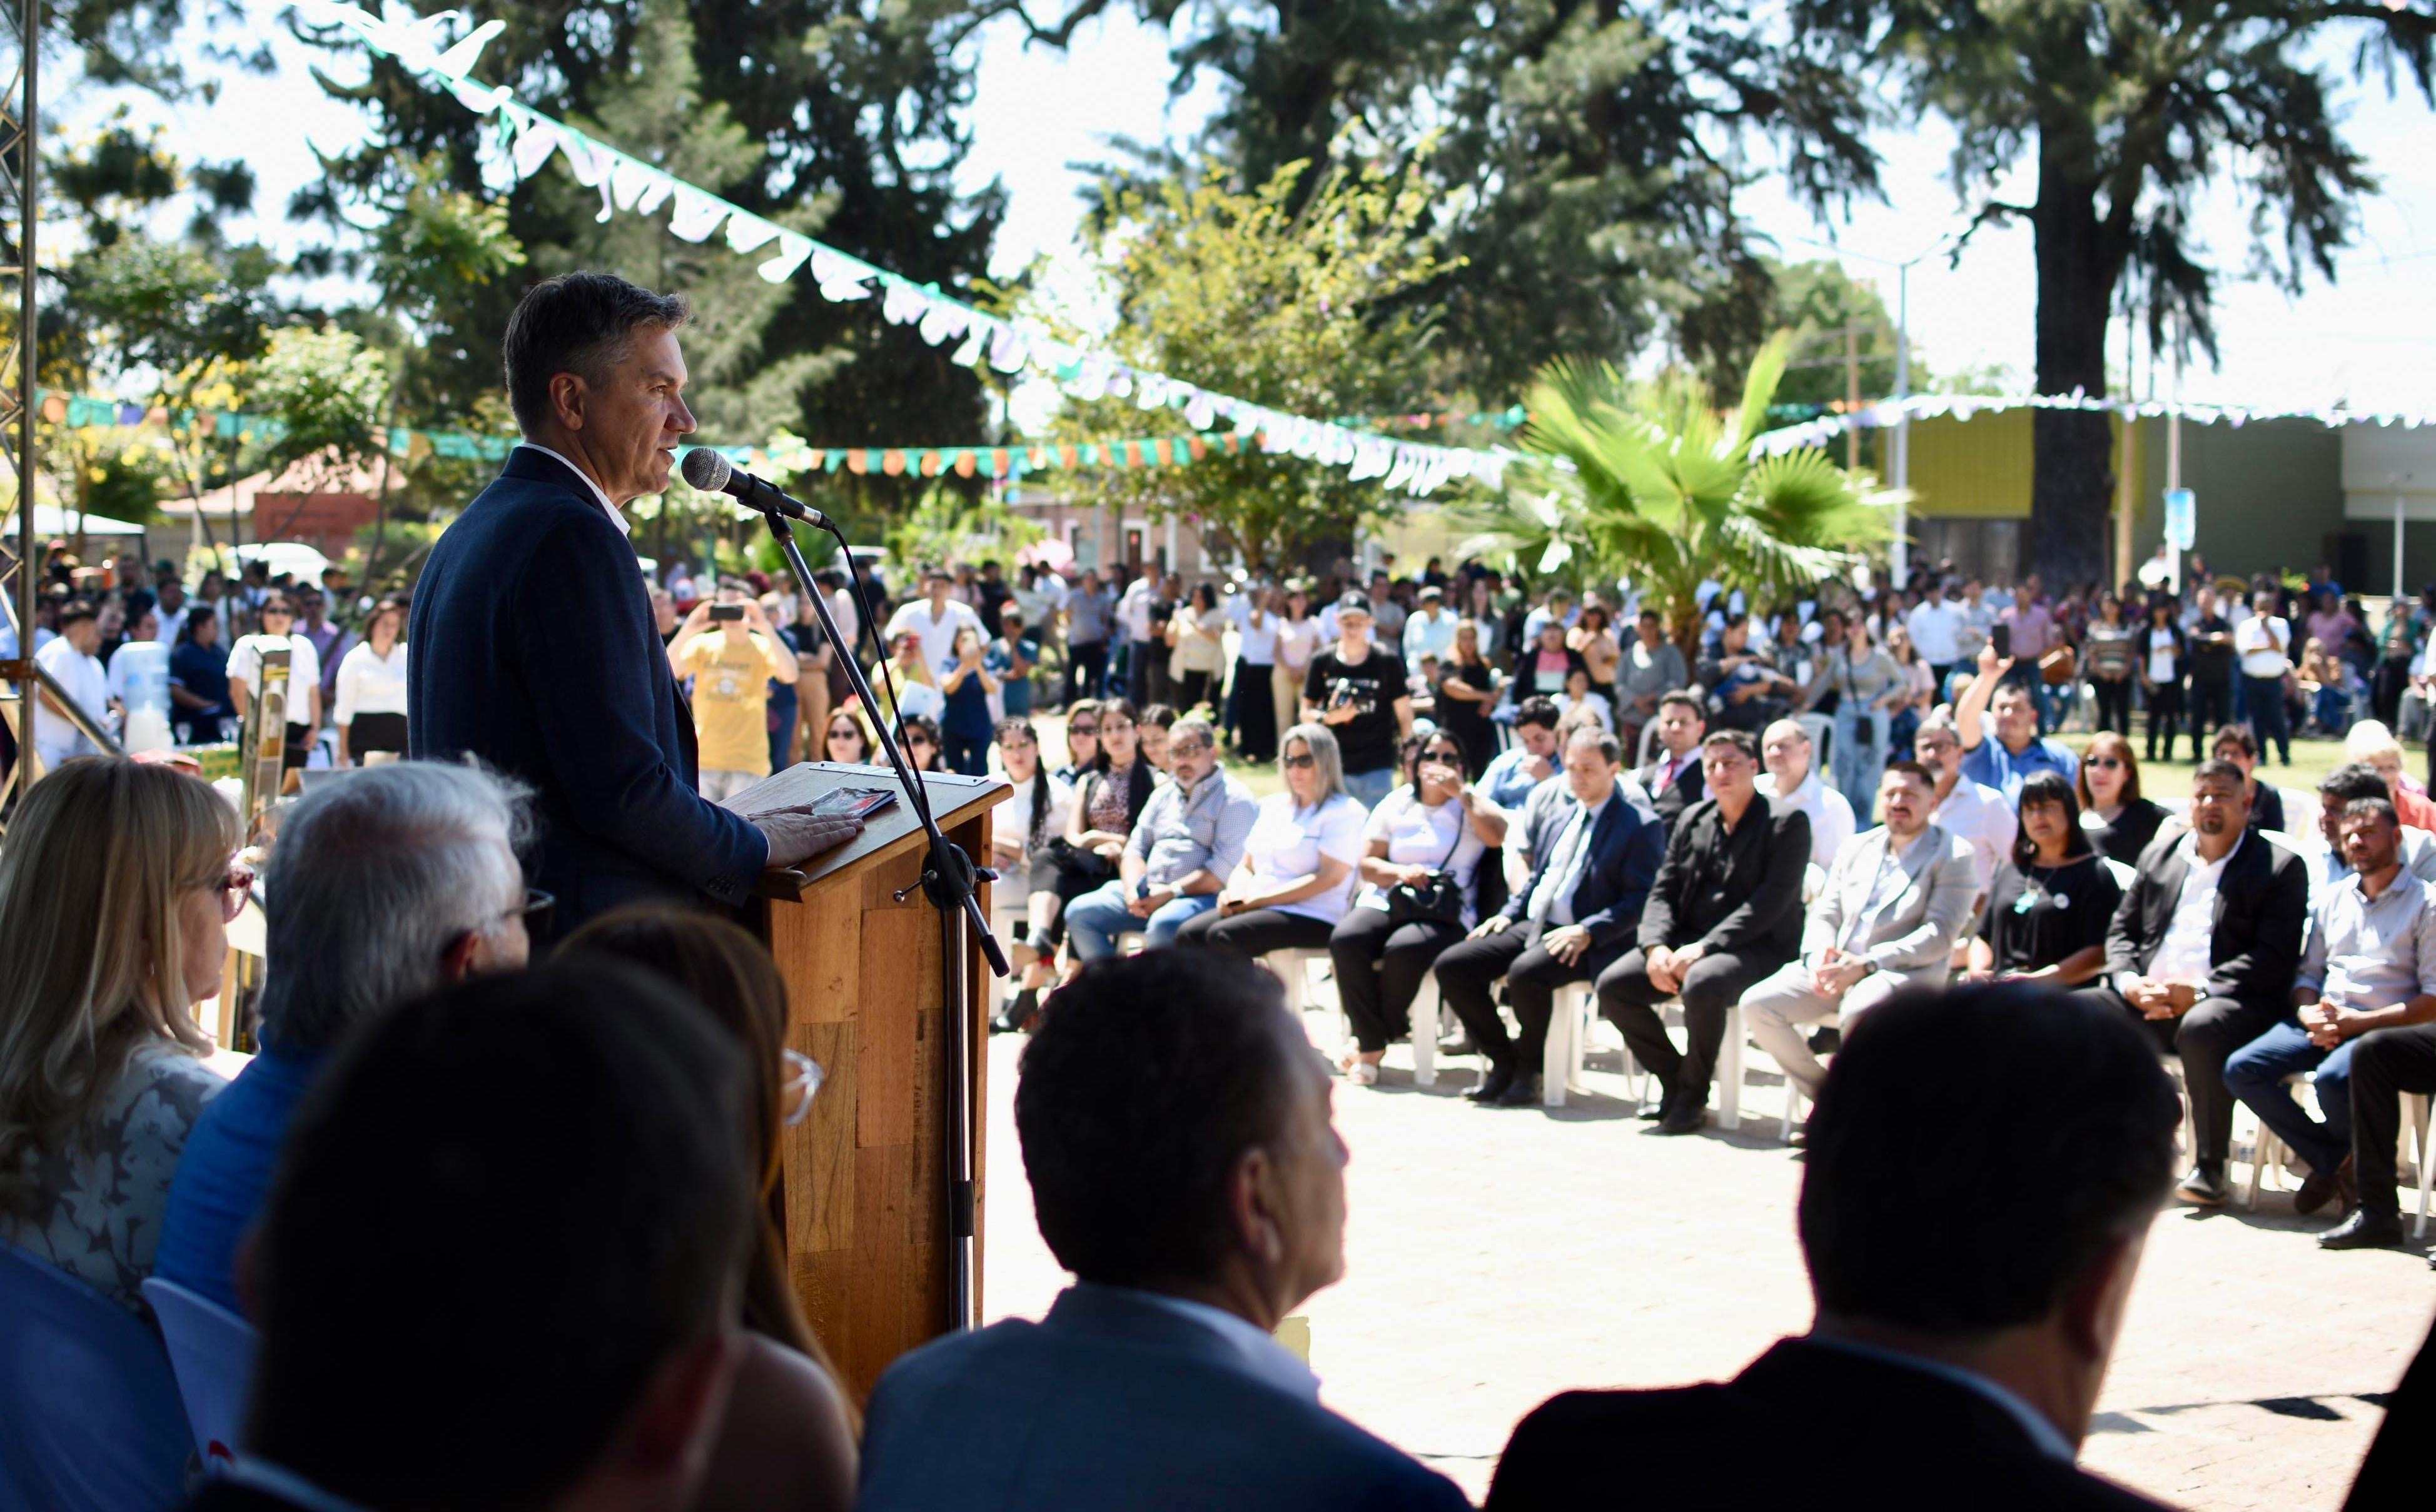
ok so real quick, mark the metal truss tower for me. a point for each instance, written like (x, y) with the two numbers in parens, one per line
(20, 562)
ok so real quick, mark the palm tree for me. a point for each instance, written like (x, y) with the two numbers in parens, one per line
(1650, 480)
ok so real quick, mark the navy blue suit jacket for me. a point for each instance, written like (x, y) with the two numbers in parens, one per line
(1627, 844)
(1113, 1403)
(534, 650)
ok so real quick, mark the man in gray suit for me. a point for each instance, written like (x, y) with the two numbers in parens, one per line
(1886, 919)
(1185, 1167)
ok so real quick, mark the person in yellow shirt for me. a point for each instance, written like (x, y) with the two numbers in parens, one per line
(729, 649)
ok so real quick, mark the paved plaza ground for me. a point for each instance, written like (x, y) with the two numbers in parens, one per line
(1497, 1256)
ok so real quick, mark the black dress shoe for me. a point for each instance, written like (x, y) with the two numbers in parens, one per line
(1655, 1108)
(1826, 1041)
(1525, 1092)
(1492, 1085)
(2316, 1191)
(1016, 1013)
(2364, 1231)
(1684, 1116)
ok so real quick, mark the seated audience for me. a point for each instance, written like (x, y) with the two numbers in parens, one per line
(2119, 821)
(1176, 1133)
(116, 886)
(2340, 789)
(1109, 796)
(845, 740)
(2374, 744)
(787, 1438)
(924, 748)
(1956, 1357)
(1724, 915)
(1187, 843)
(1886, 919)
(2235, 743)
(1156, 721)
(1793, 780)
(2203, 951)
(1579, 694)
(1297, 875)
(1592, 856)
(1675, 778)
(384, 887)
(2016, 748)
(2392, 1056)
(2053, 898)
(1532, 759)
(2371, 962)
(1040, 809)
(542, 1277)
(1082, 741)
(1977, 814)
(1432, 826)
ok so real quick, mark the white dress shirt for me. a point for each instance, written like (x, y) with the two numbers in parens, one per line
(370, 683)
(2187, 954)
(617, 515)
(1552, 901)
(1832, 820)
(1935, 633)
(1979, 816)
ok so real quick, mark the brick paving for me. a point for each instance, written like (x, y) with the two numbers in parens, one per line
(1494, 1257)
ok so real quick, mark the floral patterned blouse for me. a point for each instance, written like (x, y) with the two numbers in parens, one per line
(104, 1196)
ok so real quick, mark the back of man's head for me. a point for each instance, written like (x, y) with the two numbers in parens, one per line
(507, 1215)
(375, 878)
(1149, 1077)
(1899, 1222)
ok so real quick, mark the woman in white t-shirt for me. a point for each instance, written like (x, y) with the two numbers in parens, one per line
(1255, 619)
(1297, 876)
(303, 675)
(370, 705)
(1298, 639)
(1431, 824)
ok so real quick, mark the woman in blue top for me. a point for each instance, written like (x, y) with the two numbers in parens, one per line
(199, 684)
(966, 723)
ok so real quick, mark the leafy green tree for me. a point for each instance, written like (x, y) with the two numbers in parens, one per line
(329, 393)
(1648, 480)
(2129, 111)
(1297, 302)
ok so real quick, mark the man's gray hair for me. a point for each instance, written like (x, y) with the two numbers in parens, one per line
(1192, 726)
(373, 877)
(1610, 750)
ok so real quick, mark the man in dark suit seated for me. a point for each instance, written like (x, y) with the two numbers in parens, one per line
(1724, 913)
(1673, 779)
(1955, 1361)
(1184, 1166)
(2204, 950)
(501, 1261)
(1593, 853)
(536, 648)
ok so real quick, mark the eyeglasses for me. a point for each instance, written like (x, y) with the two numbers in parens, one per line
(269, 610)
(534, 909)
(2107, 762)
(1081, 729)
(236, 887)
(919, 742)
(1187, 748)
(803, 1083)
(1297, 763)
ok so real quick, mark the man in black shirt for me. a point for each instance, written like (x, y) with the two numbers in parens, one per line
(2210, 638)
(1361, 692)
(1725, 912)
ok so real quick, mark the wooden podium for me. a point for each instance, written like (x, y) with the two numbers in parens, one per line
(866, 1175)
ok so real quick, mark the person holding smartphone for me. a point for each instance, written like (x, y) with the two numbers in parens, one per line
(730, 650)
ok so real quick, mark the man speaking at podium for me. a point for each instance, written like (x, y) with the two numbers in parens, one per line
(534, 645)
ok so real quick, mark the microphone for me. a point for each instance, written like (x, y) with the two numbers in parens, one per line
(711, 473)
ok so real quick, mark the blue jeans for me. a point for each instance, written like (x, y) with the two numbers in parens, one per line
(1094, 920)
(1369, 787)
(1854, 767)
(2255, 1073)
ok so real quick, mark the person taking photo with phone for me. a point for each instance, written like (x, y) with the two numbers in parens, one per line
(730, 650)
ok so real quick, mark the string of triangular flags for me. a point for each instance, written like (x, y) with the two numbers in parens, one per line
(1826, 427)
(786, 454)
(531, 139)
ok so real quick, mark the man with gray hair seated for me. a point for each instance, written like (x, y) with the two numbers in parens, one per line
(385, 885)
(1187, 841)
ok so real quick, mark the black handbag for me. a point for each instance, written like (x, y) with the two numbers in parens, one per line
(1438, 899)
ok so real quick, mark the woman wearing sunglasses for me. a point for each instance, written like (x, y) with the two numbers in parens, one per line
(1385, 944)
(2119, 821)
(1082, 741)
(918, 738)
(278, 632)
(1297, 875)
(845, 740)
(116, 888)
(789, 1437)
(1109, 796)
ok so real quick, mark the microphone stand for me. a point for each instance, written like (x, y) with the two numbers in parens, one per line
(947, 881)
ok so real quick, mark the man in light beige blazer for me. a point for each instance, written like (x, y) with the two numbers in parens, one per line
(1886, 919)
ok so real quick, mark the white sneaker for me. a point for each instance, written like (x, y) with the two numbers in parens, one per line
(1362, 1073)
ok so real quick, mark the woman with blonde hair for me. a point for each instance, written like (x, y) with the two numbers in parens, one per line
(788, 1436)
(116, 887)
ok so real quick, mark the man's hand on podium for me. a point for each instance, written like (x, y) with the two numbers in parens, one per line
(798, 834)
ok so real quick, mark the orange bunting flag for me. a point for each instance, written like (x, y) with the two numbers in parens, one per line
(893, 463)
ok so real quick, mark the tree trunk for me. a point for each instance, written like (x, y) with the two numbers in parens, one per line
(2072, 475)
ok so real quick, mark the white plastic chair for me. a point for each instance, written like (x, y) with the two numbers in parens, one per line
(1426, 1011)
(1293, 967)
(211, 1348)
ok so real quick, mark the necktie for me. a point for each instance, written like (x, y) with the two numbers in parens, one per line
(1555, 890)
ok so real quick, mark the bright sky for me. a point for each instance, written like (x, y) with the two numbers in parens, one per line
(2369, 340)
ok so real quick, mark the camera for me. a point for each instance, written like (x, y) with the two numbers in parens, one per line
(726, 611)
(1344, 693)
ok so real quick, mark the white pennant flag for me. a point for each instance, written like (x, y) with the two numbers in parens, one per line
(793, 251)
(746, 232)
(695, 215)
